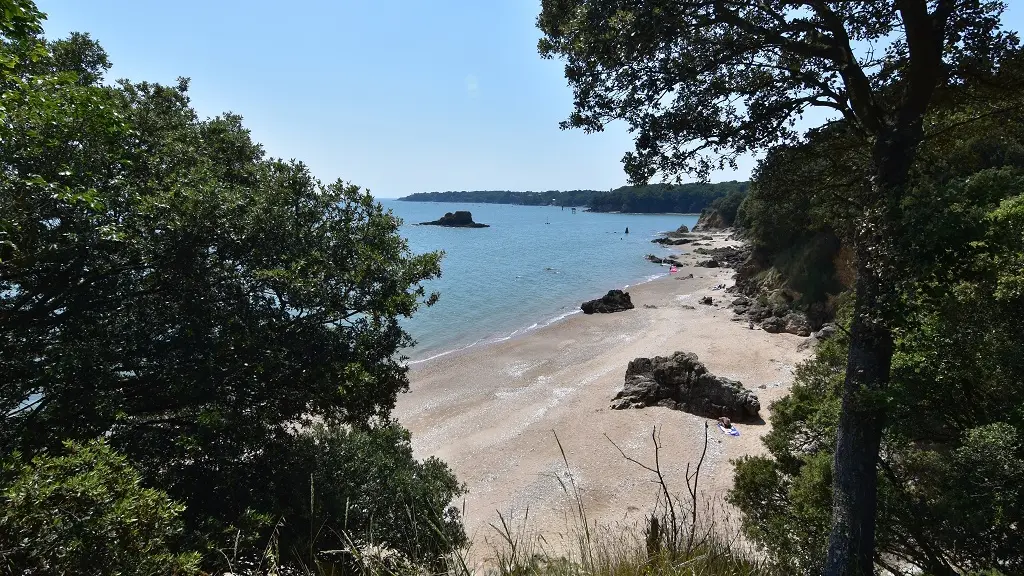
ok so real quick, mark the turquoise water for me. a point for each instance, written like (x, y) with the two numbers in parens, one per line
(533, 266)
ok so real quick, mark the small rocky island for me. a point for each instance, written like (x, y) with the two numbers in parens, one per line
(682, 382)
(613, 301)
(459, 219)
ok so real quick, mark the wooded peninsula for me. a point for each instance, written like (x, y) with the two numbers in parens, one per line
(652, 198)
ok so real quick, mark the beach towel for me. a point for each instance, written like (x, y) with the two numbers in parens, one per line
(730, 431)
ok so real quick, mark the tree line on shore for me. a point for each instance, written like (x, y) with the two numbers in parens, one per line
(689, 198)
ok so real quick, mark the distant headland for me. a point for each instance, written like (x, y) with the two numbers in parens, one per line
(648, 199)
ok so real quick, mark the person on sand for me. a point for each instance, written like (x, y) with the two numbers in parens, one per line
(725, 425)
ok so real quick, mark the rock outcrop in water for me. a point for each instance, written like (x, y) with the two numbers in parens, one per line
(670, 241)
(613, 301)
(459, 219)
(682, 382)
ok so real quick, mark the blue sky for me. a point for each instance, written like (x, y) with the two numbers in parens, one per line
(399, 96)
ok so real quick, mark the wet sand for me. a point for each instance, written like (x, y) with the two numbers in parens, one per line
(492, 413)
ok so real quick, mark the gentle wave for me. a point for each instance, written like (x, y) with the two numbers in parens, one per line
(521, 331)
(497, 339)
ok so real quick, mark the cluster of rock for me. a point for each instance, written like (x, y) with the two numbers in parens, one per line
(682, 382)
(726, 256)
(678, 237)
(672, 260)
(773, 311)
(458, 219)
(613, 301)
(668, 241)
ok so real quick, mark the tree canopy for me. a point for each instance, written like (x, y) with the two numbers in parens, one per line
(951, 455)
(166, 286)
(701, 81)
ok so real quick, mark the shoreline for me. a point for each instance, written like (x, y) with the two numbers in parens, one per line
(486, 341)
(492, 412)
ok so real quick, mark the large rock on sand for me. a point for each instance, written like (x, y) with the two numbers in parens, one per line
(792, 322)
(613, 301)
(682, 382)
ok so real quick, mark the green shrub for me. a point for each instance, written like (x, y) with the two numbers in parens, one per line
(344, 486)
(85, 512)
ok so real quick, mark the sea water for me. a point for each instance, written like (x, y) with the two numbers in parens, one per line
(533, 266)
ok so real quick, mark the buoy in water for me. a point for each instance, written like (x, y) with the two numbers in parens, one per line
(627, 229)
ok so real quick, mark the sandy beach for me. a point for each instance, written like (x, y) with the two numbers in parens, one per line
(492, 412)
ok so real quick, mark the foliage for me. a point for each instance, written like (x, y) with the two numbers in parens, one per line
(702, 82)
(952, 461)
(951, 455)
(727, 207)
(683, 198)
(166, 286)
(364, 486)
(85, 512)
(699, 83)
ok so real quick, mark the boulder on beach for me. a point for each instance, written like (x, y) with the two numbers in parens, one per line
(827, 331)
(792, 323)
(682, 382)
(458, 219)
(726, 256)
(613, 301)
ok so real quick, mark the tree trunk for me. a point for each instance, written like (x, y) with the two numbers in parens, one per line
(855, 481)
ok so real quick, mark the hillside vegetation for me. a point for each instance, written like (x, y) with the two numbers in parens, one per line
(901, 447)
(953, 459)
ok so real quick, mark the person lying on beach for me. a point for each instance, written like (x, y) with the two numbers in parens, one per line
(725, 425)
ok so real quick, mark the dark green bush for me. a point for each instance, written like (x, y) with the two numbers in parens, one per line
(365, 487)
(85, 512)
